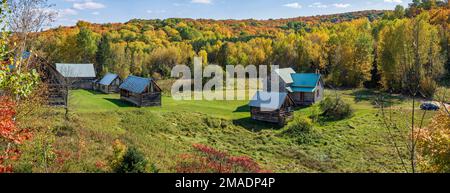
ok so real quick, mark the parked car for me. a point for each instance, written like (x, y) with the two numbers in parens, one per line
(430, 106)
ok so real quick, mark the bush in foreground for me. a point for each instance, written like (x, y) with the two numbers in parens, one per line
(127, 160)
(334, 108)
(301, 130)
(206, 159)
(433, 143)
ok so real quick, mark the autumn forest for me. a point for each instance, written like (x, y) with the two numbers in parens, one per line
(368, 48)
(380, 93)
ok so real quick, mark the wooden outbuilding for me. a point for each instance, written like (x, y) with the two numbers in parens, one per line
(273, 107)
(54, 83)
(77, 76)
(306, 89)
(283, 76)
(142, 92)
(110, 83)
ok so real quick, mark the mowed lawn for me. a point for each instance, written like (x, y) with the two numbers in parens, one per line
(89, 101)
(357, 144)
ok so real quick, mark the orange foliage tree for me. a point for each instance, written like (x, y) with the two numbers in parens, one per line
(434, 143)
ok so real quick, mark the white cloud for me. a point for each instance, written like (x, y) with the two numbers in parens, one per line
(341, 5)
(95, 13)
(88, 4)
(293, 5)
(65, 12)
(318, 5)
(69, 11)
(393, 1)
(202, 1)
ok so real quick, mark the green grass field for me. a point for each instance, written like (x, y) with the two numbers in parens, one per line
(357, 144)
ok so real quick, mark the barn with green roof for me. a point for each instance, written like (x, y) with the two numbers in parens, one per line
(306, 89)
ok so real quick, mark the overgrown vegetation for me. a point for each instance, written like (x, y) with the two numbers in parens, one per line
(433, 145)
(127, 160)
(209, 160)
(334, 108)
(301, 130)
(162, 134)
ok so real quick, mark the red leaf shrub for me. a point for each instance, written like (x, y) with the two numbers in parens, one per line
(10, 133)
(206, 159)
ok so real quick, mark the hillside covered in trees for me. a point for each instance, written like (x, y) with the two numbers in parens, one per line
(367, 48)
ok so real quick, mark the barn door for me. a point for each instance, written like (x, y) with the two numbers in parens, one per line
(302, 96)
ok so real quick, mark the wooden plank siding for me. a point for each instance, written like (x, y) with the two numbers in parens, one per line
(142, 100)
(149, 98)
(306, 98)
(108, 89)
(281, 116)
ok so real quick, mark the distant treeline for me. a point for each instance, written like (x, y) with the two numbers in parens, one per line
(382, 49)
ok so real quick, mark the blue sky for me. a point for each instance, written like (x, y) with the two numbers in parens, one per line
(104, 11)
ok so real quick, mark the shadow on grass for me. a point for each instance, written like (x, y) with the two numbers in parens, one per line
(373, 96)
(119, 103)
(242, 109)
(255, 126)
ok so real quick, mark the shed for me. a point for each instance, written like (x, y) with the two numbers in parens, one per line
(284, 77)
(77, 76)
(110, 83)
(142, 92)
(273, 107)
(306, 89)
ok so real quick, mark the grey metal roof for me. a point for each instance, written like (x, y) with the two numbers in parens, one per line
(76, 70)
(285, 74)
(268, 100)
(108, 79)
(135, 84)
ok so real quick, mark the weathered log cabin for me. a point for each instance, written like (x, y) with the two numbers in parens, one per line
(142, 92)
(57, 92)
(77, 76)
(273, 107)
(284, 78)
(55, 85)
(306, 89)
(110, 83)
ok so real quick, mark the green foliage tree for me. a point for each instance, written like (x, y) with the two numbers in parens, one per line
(14, 81)
(87, 45)
(352, 54)
(127, 159)
(410, 45)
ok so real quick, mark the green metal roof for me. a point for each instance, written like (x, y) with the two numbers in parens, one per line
(303, 89)
(305, 80)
